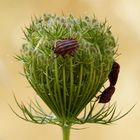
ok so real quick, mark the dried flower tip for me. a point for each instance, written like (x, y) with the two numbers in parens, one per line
(113, 76)
(66, 46)
(107, 94)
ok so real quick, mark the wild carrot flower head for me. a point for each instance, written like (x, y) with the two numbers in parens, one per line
(67, 60)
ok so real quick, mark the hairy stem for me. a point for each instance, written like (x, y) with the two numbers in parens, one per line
(66, 132)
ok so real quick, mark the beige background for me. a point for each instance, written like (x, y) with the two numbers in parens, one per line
(123, 15)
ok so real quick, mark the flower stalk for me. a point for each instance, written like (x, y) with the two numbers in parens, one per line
(66, 132)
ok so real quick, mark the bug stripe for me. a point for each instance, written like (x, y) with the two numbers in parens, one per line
(67, 49)
(66, 46)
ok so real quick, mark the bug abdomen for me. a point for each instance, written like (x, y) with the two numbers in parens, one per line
(107, 94)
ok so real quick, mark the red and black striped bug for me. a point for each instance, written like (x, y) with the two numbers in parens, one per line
(66, 46)
(113, 76)
(106, 95)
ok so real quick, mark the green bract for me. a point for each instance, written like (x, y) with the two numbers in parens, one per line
(67, 84)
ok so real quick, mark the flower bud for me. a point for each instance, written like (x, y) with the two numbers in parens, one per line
(85, 53)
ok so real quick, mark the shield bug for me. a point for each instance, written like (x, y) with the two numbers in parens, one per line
(66, 46)
(106, 95)
(113, 76)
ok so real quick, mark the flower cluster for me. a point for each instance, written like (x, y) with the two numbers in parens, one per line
(67, 61)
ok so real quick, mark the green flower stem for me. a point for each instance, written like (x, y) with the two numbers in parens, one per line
(71, 85)
(79, 88)
(90, 80)
(64, 88)
(51, 93)
(58, 88)
(66, 132)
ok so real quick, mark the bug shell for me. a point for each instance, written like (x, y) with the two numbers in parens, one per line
(66, 46)
(107, 94)
(113, 76)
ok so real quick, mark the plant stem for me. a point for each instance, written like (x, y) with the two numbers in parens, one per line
(66, 132)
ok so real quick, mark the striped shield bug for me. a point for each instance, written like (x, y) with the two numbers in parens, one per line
(113, 76)
(106, 95)
(66, 46)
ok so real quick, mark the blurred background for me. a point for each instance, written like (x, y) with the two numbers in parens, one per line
(123, 15)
